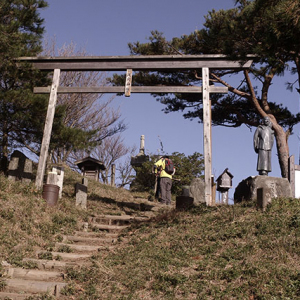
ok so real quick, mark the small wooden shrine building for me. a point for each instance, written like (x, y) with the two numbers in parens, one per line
(90, 167)
(224, 183)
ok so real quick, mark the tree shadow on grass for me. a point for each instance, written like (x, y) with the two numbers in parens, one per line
(121, 204)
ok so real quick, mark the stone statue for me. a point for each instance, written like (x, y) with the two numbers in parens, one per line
(263, 142)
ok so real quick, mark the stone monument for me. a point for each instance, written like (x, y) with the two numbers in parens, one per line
(60, 171)
(81, 190)
(263, 188)
(141, 157)
(138, 160)
(20, 168)
(196, 190)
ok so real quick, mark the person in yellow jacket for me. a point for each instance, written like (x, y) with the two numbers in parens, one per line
(165, 181)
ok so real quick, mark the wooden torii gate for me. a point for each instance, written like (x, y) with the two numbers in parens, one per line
(129, 64)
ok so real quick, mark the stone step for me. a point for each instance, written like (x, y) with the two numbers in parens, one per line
(117, 220)
(83, 248)
(99, 234)
(160, 207)
(67, 256)
(142, 206)
(89, 240)
(15, 296)
(32, 274)
(33, 287)
(52, 265)
(109, 228)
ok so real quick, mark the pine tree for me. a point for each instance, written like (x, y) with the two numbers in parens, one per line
(268, 29)
(20, 110)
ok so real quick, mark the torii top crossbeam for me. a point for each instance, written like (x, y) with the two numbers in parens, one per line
(136, 63)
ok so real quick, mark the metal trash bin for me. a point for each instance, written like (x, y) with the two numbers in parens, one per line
(50, 194)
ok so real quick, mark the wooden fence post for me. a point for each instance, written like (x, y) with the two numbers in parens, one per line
(113, 174)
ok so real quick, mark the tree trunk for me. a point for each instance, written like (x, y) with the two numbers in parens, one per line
(282, 150)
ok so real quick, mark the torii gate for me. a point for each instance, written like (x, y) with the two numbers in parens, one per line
(128, 64)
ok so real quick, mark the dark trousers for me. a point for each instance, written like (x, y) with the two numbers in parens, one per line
(165, 190)
(157, 187)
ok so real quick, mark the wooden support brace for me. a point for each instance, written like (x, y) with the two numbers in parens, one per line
(47, 130)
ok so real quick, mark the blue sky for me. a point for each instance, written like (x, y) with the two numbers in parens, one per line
(105, 27)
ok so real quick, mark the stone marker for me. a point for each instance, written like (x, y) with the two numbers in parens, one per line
(196, 191)
(52, 178)
(81, 194)
(20, 167)
(27, 171)
(263, 198)
(60, 171)
(185, 190)
(184, 202)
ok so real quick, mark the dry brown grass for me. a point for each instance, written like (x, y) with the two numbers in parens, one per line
(28, 223)
(229, 252)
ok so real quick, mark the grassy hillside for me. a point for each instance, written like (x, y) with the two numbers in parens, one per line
(212, 253)
(230, 252)
(27, 222)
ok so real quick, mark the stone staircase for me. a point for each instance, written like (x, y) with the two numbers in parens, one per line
(48, 276)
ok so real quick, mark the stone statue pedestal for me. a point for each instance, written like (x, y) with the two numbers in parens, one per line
(276, 186)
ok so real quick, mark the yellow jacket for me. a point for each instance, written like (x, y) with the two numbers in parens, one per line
(160, 164)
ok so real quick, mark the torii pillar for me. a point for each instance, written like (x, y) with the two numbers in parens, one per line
(207, 149)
